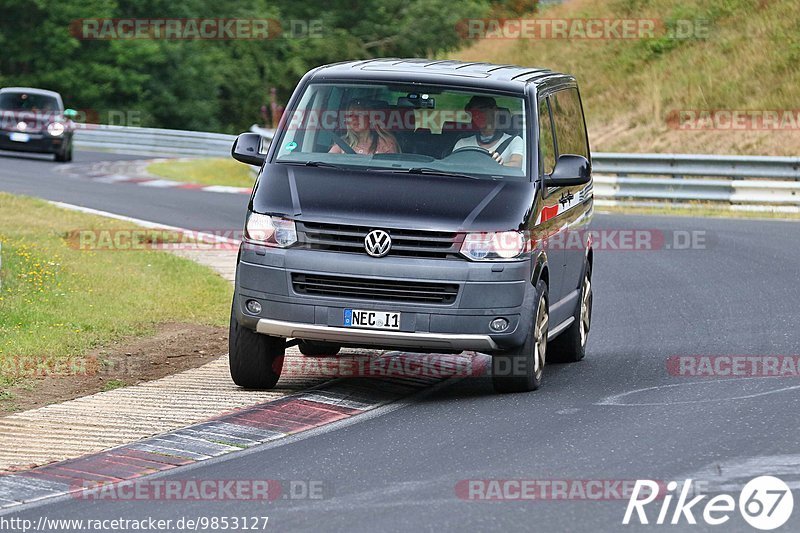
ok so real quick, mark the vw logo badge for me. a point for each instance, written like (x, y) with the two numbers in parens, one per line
(377, 243)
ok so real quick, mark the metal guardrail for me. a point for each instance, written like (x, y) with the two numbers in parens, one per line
(729, 166)
(155, 141)
(740, 182)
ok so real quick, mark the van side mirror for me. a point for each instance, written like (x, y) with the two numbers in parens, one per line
(570, 170)
(247, 149)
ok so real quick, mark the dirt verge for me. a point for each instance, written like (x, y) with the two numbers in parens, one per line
(173, 348)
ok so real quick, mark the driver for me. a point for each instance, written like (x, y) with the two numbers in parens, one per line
(483, 111)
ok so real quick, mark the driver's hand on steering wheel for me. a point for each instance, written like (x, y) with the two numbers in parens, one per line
(497, 157)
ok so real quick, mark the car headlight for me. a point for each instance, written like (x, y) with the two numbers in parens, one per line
(55, 129)
(270, 231)
(493, 246)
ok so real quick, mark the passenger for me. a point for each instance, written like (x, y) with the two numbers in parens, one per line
(483, 112)
(365, 136)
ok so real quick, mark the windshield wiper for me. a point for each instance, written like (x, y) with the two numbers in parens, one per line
(434, 171)
(412, 170)
(322, 164)
(312, 164)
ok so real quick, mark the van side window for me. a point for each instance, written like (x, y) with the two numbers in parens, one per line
(547, 151)
(568, 120)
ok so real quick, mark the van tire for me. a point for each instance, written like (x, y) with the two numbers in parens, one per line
(520, 369)
(65, 156)
(570, 346)
(256, 360)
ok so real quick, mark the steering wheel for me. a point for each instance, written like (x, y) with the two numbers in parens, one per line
(475, 149)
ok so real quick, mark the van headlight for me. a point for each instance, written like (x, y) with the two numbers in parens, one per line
(493, 246)
(56, 129)
(270, 231)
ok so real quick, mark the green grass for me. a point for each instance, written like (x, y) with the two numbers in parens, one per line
(57, 302)
(749, 60)
(205, 172)
(112, 384)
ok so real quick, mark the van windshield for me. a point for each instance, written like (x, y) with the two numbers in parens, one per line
(407, 128)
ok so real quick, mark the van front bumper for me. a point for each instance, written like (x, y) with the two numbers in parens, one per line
(336, 335)
(486, 291)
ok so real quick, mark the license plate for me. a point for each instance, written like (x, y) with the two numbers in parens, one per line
(356, 318)
(20, 137)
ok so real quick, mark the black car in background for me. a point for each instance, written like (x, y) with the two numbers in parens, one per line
(35, 121)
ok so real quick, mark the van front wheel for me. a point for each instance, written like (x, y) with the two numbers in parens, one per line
(520, 370)
(255, 360)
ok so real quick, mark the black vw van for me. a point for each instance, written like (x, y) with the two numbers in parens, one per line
(426, 206)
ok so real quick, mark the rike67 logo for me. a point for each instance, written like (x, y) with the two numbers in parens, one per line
(765, 503)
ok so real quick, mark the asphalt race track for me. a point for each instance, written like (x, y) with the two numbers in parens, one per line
(37, 175)
(620, 414)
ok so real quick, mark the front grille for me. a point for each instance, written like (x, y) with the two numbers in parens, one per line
(385, 290)
(405, 243)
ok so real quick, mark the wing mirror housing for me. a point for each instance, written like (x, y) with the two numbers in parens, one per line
(570, 170)
(247, 149)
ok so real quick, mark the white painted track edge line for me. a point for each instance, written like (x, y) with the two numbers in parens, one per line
(140, 222)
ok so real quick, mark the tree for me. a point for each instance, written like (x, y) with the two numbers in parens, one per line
(211, 85)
